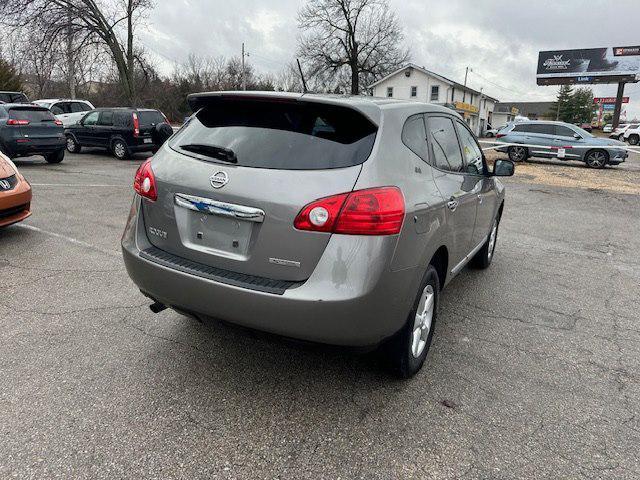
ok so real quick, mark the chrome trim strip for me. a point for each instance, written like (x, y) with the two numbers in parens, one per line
(213, 207)
(469, 256)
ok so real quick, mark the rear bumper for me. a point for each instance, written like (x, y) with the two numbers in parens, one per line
(142, 147)
(33, 147)
(15, 204)
(354, 302)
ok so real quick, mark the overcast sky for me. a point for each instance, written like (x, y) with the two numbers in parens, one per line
(499, 40)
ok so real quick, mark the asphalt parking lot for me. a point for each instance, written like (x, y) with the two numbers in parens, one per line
(533, 372)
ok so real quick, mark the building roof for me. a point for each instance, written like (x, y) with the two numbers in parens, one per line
(433, 74)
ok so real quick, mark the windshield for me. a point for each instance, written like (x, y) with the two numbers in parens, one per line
(288, 136)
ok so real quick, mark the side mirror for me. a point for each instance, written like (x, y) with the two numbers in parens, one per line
(503, 168)
(577, 136)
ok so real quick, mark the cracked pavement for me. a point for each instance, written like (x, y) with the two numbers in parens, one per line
(533, 372)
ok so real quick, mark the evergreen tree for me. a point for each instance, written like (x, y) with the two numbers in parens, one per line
(9, 79)
(561, 108)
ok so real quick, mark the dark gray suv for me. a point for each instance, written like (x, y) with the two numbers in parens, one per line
(326, 218)
(559, 140)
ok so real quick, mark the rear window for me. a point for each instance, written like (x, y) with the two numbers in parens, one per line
(33, 115)
(13, 97)
(150, 117)
(287, 136)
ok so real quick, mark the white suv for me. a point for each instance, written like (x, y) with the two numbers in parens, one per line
(620, 131)
(632, 134)
(69, 112)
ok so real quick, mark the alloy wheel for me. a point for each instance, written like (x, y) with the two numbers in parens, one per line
(596, 159)
(422, 322)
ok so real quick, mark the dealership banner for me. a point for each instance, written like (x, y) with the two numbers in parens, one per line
(590, 65)
(607, 100)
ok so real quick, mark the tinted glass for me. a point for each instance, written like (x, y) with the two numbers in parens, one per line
(57, 109)
(290, 136)
(521, 128)
(443, 141)
(633, 126)
(13, 97)
(541, 128)
(471, 151)
(79, 107)
(33, 115)
(106, 118)
(564, 131)
(122, 119)
(91, 118)
(150, 117)
(414, 136)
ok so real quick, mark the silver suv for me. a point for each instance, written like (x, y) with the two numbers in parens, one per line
(559, 140)
(325, 218)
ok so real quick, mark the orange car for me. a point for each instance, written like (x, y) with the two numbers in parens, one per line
(15, 194)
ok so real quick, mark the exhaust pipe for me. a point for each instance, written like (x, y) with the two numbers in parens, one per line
(157, 307)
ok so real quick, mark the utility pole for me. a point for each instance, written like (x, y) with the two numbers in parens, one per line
(244, 73)
(618, 107)
(464, 90)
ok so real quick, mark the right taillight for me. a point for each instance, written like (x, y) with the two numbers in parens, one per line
(374, 211)
(136, 125)
(145, 182)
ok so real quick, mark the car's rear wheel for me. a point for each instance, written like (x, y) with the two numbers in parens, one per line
(483, 258)
(72, 145)
(634, 139)
(596, 158)
(489, 135)
(120, 150)
(518, 154)
(55, 157)
(410, 346)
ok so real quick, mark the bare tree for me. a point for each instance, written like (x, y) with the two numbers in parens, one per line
(363, 36)
(110, 23)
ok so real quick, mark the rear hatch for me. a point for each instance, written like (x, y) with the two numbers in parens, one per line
(234, 178)
(148, 120)
(37, 124)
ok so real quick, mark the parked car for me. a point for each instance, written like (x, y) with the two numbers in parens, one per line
(608, 128)
(27, 129)
(632, 134)
(329, 219)
(13, 97)
(560, 140)
(492, 132)
(15, 193)
(67, 111)
(123, 131)
(618, 133)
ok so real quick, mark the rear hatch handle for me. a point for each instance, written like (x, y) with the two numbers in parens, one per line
(213, 207)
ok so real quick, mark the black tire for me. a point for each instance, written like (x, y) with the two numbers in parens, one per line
(55, 157)
(161, 133)
(406, 364)
(72, 145)
(634, 139)
(518, 154)
(483, 258)
(120, 149)
(596, 158)
(489, 135)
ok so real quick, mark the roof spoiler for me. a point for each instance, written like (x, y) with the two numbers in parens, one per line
(198, 100)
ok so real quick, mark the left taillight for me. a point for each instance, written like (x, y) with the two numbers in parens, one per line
(373, 211)
(13, 121)
(145, 182)
(58, 122)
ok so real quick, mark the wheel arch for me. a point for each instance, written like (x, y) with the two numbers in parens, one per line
(440, 261)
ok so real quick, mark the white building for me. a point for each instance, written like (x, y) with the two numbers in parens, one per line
(412, 82)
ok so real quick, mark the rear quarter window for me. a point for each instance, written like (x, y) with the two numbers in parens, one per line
(150, 117)
(281, 135)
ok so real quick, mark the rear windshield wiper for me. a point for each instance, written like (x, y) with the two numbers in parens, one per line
(219, 153)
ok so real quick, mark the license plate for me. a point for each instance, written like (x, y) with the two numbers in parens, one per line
(561, 152)
(147, 140)
(214, 233)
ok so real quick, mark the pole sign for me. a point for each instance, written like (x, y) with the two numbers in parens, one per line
(590, 65)
(607, 100)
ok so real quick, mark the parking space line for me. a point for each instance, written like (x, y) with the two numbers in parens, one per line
(67, 239)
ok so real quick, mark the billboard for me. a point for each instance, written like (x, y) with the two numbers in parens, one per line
(607, 100)
(590, 65)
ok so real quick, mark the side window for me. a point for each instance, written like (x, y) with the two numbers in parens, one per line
(122, 119)
(521, 128)
(414, 136)
(470, 151)
(541, 128)
(443, 143)
(106, 118)
(564, 131)
(91, 118)
(65, 106)
(77, 107)
(56, 109)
